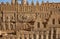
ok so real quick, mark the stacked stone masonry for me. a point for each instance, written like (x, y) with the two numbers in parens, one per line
(24, 21)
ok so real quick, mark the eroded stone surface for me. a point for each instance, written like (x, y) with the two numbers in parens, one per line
(23, 21)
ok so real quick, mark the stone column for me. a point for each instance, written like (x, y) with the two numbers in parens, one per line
(47, 35)
(35, 25)
(42, 35)
(32, 36)
(51, 33)
(3, 16)
(27, 36)
(57, 33)
(37, 36)
(23, 36)
(4, 26)
(56, 20)
(9, 24)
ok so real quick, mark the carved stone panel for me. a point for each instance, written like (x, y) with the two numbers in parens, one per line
(26, 17)
(7, 26)
(12, 26)
(1, 26)
(1, 17)
(12, 17)
(7, 17)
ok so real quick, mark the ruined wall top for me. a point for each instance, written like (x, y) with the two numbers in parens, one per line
(25, 2)
(25, 6)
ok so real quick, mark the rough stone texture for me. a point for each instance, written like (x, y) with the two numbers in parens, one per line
(24, 21)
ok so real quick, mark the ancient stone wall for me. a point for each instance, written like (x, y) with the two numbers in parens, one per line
(22, 21)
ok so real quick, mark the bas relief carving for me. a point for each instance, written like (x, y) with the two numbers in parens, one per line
(25, 17)
(24, 21)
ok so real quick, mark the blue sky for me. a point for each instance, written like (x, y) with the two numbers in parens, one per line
(31, 0)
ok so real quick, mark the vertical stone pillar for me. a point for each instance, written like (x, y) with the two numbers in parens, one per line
(4, 20)
(32, 36)
(4, 26)
(3, 16)
(14, 26)
(57, 33)
(9, 24)
(42, 35)
(35, 25)
(23, 36)
(47, 35)
(37, 36)
(51, 33)
(27, 36)
(56, 20)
